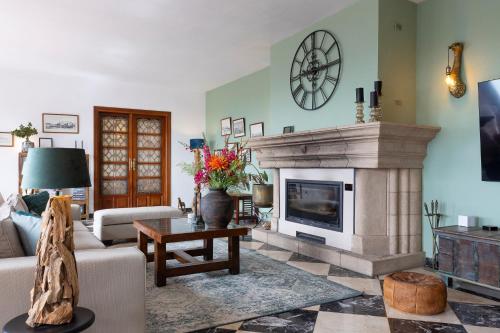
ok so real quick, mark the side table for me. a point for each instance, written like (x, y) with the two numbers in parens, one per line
(82, 319)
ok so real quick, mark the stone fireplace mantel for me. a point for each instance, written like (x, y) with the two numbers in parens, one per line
(371, 145)
(386, 160)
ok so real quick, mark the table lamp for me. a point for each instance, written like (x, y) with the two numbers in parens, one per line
(55, 292)
(196, 145)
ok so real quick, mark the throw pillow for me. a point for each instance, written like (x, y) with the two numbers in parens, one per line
(10, 246)
(16, 203)
(4, 209)
(37, 202)
(28, 228)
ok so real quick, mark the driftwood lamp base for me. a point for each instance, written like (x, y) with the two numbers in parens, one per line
(55, 293)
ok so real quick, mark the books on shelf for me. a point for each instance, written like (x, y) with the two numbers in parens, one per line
(79, 194)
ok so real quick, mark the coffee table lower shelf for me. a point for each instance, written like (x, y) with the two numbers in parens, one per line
(189, 263)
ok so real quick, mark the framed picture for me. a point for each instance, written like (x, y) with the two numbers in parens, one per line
(217, 151)
(246, 155)
(60, 123)
(288, 129)
(257, 130)
(232, 146)
(45, 143)
(6, 139)
(225, 126)
(239, 127)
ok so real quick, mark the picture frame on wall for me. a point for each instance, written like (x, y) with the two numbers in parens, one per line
(45, 142)
(288, 129)
(6, 139)
(225, 127)
(60, 123)
(239, 127)
(246, 155)
(257, 130)
(232, 146)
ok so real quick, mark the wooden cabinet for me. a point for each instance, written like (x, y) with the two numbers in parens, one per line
(132, 158)
(470, 254)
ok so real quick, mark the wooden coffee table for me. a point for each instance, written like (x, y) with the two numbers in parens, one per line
(164, 231)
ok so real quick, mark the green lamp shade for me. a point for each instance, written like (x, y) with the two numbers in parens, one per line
(55, 168)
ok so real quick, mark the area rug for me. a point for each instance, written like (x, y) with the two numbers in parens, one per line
(263, 287)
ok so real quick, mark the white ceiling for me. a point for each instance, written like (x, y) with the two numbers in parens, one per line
(199, 44)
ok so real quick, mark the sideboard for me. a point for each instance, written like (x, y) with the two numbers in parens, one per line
(470, 254)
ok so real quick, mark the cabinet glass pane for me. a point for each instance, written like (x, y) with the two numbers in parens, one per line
(148, 126)
(148, 141)
(114, 124)
(149, 185)
(151, 156)
(149, 170)
(114, 187)
(114, 155)
(114, 170)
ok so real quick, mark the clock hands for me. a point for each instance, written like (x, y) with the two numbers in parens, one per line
(318, 69)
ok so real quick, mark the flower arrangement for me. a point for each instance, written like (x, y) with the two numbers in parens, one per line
(221, 170)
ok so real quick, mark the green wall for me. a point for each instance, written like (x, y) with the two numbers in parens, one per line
(356, 29)
(397, 59)
(452, 171)
(247, 97)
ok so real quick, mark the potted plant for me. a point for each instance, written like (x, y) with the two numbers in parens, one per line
(25, 132)
(219, 172)
(262, 192)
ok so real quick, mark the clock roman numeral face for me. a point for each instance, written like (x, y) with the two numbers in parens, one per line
(315, 70)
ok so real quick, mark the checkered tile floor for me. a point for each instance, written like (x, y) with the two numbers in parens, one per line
(466, 313)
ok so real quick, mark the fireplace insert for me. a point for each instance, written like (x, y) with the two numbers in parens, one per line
(314, 203)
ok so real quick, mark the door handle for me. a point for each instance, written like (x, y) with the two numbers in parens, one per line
(134, 164)
(129, 164)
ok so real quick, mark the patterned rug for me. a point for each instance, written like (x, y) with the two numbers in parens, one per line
(263, 287)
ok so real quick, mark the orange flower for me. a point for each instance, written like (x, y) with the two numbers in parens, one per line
(218, 163)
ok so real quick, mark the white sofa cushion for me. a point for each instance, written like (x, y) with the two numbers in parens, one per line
(85, 240)
(10, 245)
(78, 226)
(128, 215)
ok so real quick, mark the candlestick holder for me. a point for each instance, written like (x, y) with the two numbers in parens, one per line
(360, 115)
(373, 115)
(378, 109)
(378, 113)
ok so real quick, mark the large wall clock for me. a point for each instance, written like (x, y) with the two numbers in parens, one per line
(315, 70)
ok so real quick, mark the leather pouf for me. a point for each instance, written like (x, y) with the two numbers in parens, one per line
(415, 293)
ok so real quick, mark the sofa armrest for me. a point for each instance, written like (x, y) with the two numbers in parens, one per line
(112, 284)
(75, 212)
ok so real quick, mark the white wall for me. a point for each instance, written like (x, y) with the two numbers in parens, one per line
(24, 96)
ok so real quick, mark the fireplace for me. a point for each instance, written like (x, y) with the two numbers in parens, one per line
(315, 203)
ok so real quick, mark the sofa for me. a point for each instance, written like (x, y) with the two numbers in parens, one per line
(117, 223)
(112, 283)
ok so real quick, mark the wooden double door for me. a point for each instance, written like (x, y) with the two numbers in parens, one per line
(131, 158)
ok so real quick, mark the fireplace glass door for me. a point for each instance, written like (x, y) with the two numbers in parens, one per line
(315, 203)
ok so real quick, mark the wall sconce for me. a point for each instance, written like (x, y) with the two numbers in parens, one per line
(455, 84)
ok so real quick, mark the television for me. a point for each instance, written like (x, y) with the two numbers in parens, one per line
(489, 123)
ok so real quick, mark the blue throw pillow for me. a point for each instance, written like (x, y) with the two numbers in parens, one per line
(28, 228)
(37, 202)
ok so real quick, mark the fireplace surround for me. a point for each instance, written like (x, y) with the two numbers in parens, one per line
(385, 161)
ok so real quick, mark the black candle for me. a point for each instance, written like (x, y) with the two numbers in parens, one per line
(373, 99)
(378, 87)
(360, 95)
